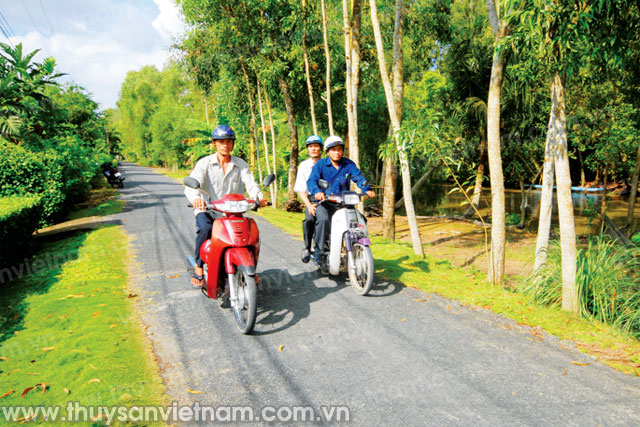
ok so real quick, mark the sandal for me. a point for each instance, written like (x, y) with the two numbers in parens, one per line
(200, 279)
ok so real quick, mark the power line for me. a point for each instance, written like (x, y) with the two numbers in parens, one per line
(5, 34)
(30, 17)
(47, 17)
(11, 32)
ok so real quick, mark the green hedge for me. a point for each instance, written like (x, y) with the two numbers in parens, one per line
(19, 218)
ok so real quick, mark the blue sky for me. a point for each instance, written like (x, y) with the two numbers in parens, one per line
(96, 42)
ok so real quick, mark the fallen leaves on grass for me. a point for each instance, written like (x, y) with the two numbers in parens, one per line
(26, 390)
(96, 314)
(9, 393)
(48, 348)
(95, 380)
(73, 296)
(4, 358)
(44, 387)
(66, 390)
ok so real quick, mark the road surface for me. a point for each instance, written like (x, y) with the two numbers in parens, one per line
(396, 357)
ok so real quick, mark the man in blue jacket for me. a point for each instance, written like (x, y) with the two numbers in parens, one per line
(338, 171)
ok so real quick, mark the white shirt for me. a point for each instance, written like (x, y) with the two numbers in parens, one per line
(217, 183)
(304, 170)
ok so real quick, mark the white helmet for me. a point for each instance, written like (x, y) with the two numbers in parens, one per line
(333, 141)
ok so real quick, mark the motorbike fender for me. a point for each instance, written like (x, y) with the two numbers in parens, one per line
(364, 241)
(240, 258)
(339, 225)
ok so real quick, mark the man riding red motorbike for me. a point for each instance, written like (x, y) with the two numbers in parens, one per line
(218, 175)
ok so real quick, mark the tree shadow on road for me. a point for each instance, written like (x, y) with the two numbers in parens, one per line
(283, 299)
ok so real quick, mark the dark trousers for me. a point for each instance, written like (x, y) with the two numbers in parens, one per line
(204, 223)
(324, 212)
(308, 228)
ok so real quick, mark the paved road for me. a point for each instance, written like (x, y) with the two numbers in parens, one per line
(390, 359)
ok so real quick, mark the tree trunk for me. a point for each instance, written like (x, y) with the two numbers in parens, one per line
(308, 75)
(477, 190)
(419, 182)
(293, 136)
(346, 29)
(546, 199)
(352, 34)
(328, 67)
(273, 148)
(388, 207)
(583, 178)
(264, 140)
(604, 204)
(634, 189)
(206, 109)
(498, 230)
(395, 123)
(252, 136)
(565, 201)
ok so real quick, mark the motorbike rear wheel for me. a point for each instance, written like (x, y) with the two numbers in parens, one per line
(246, 306)
(361, 270)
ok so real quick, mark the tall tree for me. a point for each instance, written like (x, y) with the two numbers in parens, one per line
(395, 122)
(498, 223)
(352, 60)
(327, 56)
(307, 73)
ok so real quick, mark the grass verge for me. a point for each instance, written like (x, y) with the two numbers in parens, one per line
(68, 329)
(176, 175)
(396, 261)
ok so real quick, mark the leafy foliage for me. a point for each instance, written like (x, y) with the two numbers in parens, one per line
(608, 283)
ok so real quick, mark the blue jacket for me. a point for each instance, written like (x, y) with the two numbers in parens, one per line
(338, 179)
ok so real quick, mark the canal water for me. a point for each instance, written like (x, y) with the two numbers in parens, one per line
(436, 200)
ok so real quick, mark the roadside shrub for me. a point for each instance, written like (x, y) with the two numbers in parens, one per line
(19, 217)
(636, 238)
(608, 281)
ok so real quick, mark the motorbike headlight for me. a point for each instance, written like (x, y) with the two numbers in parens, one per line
(234, 206)
(351, 199)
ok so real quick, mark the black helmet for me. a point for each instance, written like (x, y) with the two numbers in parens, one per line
(333, 141)
(223, 132)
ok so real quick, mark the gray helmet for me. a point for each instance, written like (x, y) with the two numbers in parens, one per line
(333, 141)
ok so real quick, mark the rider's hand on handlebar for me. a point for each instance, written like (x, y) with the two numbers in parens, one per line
(319, 196)
(371, 194)
(263, 202)
(199, 204)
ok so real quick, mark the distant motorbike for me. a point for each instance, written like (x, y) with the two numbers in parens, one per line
(231, 254)
(114, 177)
(349, 246)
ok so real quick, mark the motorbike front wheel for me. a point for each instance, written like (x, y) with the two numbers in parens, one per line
(245, 307)
(361, 269)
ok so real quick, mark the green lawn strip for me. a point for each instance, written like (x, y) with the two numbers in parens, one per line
(101, 203)
(396, 261)
(72, 326)
(177, 175)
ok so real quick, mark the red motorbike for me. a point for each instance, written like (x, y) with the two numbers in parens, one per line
(231, 254)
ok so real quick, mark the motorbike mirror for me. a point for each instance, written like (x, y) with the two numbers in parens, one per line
(323, 184)
(191, 182)
(268, 180)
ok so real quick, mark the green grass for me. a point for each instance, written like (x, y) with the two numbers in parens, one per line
(177, 175)
(101, 203)
(70, 325)
(396, 261)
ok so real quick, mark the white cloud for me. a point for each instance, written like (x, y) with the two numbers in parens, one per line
(97, 43)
